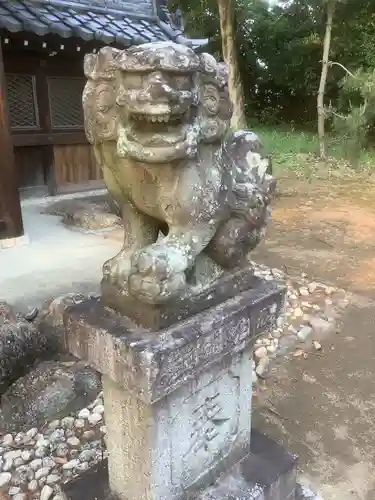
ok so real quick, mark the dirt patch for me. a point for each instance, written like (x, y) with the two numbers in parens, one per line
(326, 228)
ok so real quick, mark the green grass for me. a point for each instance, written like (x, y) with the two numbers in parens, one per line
(296, 152)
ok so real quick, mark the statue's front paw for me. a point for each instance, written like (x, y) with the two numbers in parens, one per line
(117, 269)
(157, 274)
(153, 290)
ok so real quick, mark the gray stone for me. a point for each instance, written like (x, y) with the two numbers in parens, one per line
(22, 476)
(62, 450)
(43, 472)
(74, 442)
(304, 333)
(208, 414)
(51, 389)
(71, 464)
(20, 345)
(53, 479)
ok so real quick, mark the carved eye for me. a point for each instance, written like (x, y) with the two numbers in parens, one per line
(211, 99)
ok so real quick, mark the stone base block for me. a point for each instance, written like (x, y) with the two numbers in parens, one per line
(268, 472)
(178, 400)
(198, 298)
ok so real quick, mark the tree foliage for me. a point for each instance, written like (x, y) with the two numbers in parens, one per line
(280, 50)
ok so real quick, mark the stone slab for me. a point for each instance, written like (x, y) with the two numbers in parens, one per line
(154, 364)
(267, 473)
(197, 299)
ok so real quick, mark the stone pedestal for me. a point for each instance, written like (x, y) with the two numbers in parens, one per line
(178, 400)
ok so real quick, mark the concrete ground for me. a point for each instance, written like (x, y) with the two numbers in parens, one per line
(57, 260)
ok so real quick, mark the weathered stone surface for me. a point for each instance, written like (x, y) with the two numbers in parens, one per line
(199, 297)
(20, 345)
(178, 400)
(267, 473)
(49, 391)
(157, 116)
(97, 212)
(154, 364)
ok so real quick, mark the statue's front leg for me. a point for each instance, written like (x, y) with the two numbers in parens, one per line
(158, 271)
(140, 231)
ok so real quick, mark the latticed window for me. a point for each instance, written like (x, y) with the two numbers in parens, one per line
(65, 95)
(22, 102)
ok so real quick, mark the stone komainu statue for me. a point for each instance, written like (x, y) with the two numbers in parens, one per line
(158, 118)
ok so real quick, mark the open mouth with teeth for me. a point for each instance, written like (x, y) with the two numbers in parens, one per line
(152, 129)
(156, 137)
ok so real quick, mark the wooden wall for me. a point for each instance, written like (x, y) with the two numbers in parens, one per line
(52, 151)
(75, 165)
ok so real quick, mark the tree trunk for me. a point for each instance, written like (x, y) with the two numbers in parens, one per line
(228, 36)
(323, 79)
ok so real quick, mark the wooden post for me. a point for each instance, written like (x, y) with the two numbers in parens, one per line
(11, 224)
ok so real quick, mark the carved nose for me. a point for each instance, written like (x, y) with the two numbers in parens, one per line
(159, 88)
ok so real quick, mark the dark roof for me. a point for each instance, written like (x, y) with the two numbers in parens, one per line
(72, 19)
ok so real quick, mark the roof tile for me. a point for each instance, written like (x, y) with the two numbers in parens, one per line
(106, 26)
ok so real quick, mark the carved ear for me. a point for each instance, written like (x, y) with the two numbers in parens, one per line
(89, 63)
(102, 66)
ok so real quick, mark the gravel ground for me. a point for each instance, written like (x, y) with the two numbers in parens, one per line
(34, 464)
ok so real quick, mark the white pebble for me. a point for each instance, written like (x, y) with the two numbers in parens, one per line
(79, 423)
(46, 492)
(304, 333)
(33, 485)
(8, 464)
(53, 425)
(103, 429)
(74, 442)
(7, 440)
(27, 455)
(53, 478)
(67, 422)
(317, 345)
(31, 433)
(20, 496)
(262, 367)
(99, 409)
(84, 414)
(43, 472)
(312, 287)
(271, 349)
(304, 292)
(36, 464)
(5, 478)
(14, 490)
(95, 418)
(71, 464)
(261, 352)
(42, 443)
